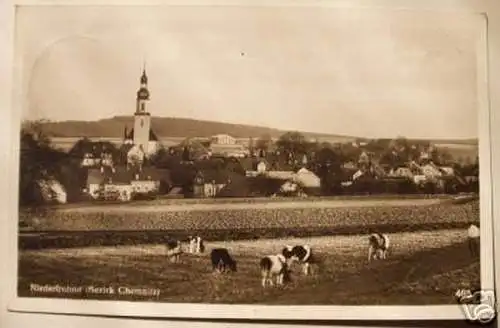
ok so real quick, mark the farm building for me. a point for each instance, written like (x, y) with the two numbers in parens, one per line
(308, 181)
(254, 167)
(258, 186)
(124, 182)
(89, 160)
(209, 182)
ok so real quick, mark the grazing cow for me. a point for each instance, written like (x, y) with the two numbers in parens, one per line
(273, 266)
(378, 246)
(221, 260)
(196, 245)
(174, 250)
(301, 254)
(473, 234)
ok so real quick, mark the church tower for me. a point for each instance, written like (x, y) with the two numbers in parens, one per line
(142, 118)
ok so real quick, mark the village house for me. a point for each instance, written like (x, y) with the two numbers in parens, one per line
(223, 139)
(125, 182)
(89, 160)
(254, 167)
(208, 183)
(301, 181)
(227, 146)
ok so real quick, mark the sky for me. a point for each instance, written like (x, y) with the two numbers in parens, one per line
(367, 73)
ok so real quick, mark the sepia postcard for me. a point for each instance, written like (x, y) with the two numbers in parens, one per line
(253, 161)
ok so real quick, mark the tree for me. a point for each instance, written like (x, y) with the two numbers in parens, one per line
(293, 144)
(81, 147)
(251, 147)
(186, 154)
(38, 161)
(327, 166)
(264, 143)
(160, 157)
(349, 153)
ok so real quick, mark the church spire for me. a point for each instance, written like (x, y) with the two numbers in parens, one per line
(144, 77)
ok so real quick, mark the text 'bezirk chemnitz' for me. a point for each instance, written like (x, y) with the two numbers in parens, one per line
(95, 290)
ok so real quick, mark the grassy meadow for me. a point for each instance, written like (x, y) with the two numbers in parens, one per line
(114, 246)
(422, 268)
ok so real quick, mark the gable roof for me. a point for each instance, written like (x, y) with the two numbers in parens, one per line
(247, 163)
(125, 175)
(307, 179)
(281, 175)
(209, 175)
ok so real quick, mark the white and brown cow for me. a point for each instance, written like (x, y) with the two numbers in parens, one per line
(273, 266)
(174, 250)
(301, 254)
(378, 245)
(196, 245)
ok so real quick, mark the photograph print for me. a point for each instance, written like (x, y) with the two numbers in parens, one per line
(250, 155)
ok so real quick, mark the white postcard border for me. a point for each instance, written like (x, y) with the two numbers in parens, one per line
(157, 310)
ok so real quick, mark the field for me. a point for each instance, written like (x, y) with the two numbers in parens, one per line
(112, 225)
(428, 261)
(423, 268)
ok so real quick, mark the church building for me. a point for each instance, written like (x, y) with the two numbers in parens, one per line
(142, 139)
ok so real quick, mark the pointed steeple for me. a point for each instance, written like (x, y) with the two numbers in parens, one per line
(144, 77)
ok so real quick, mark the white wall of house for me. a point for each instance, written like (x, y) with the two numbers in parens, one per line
(135, 153)
(212, 189)
(223, 139)
(357, 175)
(93, 190)
(261, 167)
(124, 190)
(430, 171)
(418, 179)
(289, 187)
(153, 147)
(144, 186)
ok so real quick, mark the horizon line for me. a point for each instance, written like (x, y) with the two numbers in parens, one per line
(45, 121)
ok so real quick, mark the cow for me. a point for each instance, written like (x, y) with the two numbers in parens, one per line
(473, 234)
(378, 246)
(196, 245)
(221, 260)
(174, 250)
(274, 266)
(299, 253)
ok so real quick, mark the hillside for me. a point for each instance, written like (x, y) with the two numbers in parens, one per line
(187, 128)
(166, 127)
